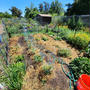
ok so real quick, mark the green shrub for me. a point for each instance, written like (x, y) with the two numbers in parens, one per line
(80, 65)
(38, 58)
(80, 40)
(44, 38)
(63, 52)
(87, 51)
(75, 24)
(13, 76)
(19, 58)
(47, 69)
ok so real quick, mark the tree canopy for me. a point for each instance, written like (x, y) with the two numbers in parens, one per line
(15, 12)
(79, 7)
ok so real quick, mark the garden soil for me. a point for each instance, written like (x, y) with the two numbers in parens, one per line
(57, 80)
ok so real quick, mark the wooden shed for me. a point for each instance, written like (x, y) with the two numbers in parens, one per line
(44, 18)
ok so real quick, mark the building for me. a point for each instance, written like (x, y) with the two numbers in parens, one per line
(44, 18)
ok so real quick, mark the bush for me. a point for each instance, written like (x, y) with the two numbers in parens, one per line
(19, 58)
(44, 38)
(80, 65)
(47, 69)
(87, 51)
(13, 77)
(38, 58)
(80, 41)
(75, 24)
(63, 52)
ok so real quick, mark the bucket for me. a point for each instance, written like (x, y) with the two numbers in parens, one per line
(83, 82)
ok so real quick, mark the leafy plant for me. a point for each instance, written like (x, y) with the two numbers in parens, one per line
(80, 65)
(87, 51)
(19, 58)
(47, 69)
(80, 41)
(75, 24)
(58, 38)
(13, 76)
(38, 58)
(63, 52)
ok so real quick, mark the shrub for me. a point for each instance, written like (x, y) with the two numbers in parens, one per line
(63, 52)
(75, 24)
(13, 76)
(19, 58)
(80, 41)
(72, 23)
(38, 58)
(87, 51)
(47, 69)
(44, 38)
(80, 65)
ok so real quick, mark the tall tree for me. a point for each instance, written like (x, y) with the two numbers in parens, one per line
(46, 7)
(15, 12)
(56, 7)
(41, 7)
(79, 7)
(31, 13)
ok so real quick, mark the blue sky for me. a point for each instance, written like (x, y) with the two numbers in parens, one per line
(21, 4)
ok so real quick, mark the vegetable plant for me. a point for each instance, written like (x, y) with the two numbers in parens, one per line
(80, 65)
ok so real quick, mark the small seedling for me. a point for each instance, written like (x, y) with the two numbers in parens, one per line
(38, 58)
(19, 58)
(44, 38)
(47, 69)
(37, 39)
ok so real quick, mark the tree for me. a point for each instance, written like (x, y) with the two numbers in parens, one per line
(15, 12)
(5, 15)
(56, 7)
(79, 7)
(46, 7)
(41, 7)
(31, 13)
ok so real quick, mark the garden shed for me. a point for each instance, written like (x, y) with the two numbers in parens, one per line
(44, 18)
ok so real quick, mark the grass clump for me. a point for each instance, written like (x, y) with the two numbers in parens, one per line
(44, 38)
(47, 69)
(13, 76)
(63, 52)
(80, 65)
(38, 58)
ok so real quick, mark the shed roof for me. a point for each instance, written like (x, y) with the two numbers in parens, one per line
(45, 15)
